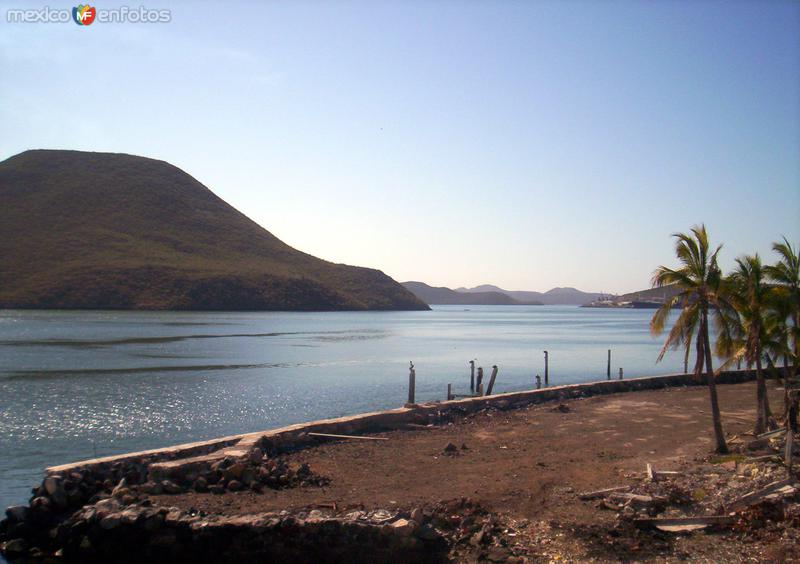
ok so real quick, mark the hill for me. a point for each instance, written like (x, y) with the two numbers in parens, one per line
(116, 231)
(446, 296)
(556, 296)
(652, 294)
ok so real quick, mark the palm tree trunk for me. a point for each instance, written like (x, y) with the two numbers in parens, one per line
(719, 435)
(785, 385)
(761, 396)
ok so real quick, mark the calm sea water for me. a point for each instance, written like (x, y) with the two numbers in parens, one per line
(78, 384)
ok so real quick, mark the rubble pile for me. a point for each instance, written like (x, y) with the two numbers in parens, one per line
(731, 492)
(255, 472)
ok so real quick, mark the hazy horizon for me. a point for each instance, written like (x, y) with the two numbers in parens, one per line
(524, 145)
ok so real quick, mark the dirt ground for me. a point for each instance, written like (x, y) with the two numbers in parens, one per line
(527, 465)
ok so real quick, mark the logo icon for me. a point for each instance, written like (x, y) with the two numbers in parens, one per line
(84, 14)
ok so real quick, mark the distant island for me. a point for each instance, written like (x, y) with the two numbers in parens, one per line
(494, 295)
(643, 299)
(555, 296)
(82, 230)
(446, 296)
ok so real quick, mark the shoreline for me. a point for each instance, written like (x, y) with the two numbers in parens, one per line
(296, 434)
(280, 488)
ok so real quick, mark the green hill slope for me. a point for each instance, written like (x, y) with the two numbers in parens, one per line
(101, 230)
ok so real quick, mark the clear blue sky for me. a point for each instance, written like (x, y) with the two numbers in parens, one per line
(525, 144)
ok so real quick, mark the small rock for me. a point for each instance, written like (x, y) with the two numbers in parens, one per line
(417, 515)
(173, 516)
(235, 471)
(16, 547)
(52, 484)
(201, 484)
(110, 521)
(121, 487)
(106, 506)
(256, 455)
(119, 493)
(171, 487)
(18, 513)
(562, 408)
(380, 515)
(450, 447)
(217, 489)
(151, 488)
(404, 527)
(234, 485)
(130, 516)
(40, 503)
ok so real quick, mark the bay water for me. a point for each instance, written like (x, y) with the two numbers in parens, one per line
(75, 385)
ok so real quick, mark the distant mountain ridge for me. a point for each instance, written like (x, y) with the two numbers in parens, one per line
(445, 296)
(555, 296)
(82, 230)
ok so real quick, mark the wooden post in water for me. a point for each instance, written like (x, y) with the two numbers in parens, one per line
(412, 384)
(479, 382)
(620, 373)
(449, 392)
(608, 366)
(538, 382)
(546, 369)
(686, 364)
(491, 380)
(472, 376)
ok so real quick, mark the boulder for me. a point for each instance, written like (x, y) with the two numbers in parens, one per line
(18, 513)
(110, 521)
(171, 487)
(404, 527)
(16, 547)
(151, 488)
(130, 516)
(106, 506)
(52, 484)
(255, 455)
(235, 471)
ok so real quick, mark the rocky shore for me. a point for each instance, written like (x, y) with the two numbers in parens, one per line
(290, 494)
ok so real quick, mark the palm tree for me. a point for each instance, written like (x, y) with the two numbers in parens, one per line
(747, 289)
(786, 275)
(698, 279)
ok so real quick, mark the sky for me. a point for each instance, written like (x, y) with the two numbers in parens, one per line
(523, 144)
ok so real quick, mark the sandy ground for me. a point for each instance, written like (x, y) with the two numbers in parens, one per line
(526, 466)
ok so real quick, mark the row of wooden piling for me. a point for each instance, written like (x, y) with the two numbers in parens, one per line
(476, 379)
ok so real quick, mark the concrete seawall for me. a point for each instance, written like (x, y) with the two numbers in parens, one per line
(164, 462)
